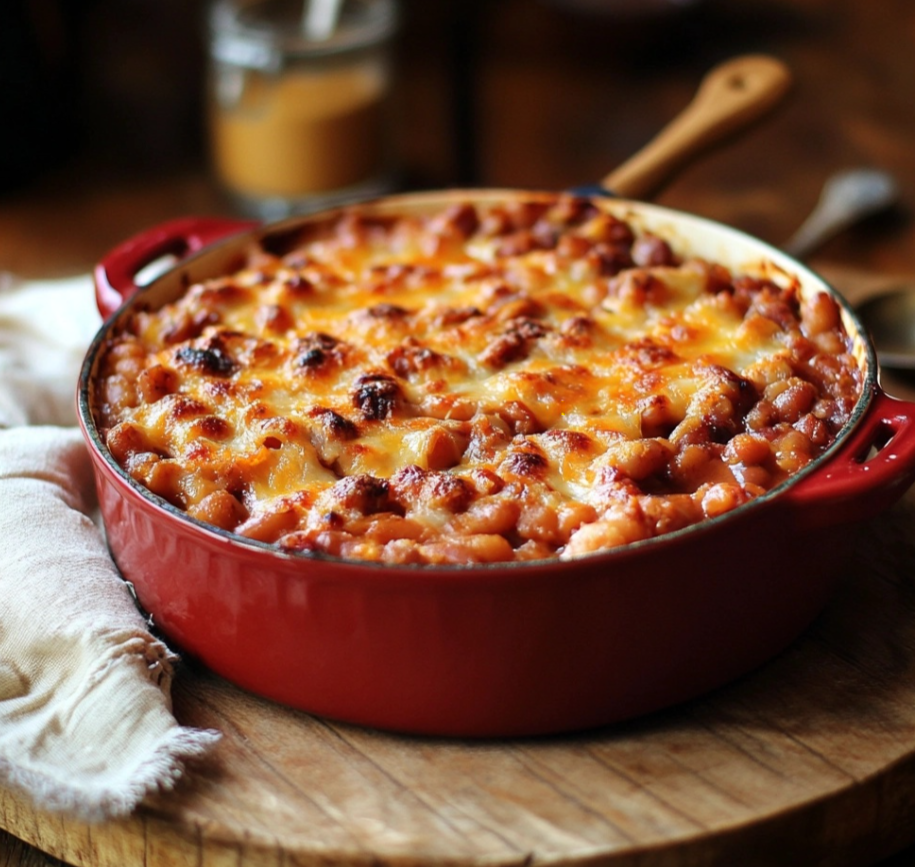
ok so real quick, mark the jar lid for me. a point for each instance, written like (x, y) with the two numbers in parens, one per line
(265, 34)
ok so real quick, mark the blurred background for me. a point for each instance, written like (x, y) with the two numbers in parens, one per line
(103, 133)
(102, 112)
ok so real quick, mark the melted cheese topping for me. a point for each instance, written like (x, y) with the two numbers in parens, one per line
(516, 382)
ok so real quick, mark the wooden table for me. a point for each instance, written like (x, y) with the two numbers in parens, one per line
(554, 99)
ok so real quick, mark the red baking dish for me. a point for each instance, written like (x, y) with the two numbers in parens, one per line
(497, 650)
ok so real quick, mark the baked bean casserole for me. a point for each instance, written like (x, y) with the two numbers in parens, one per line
(492, 382)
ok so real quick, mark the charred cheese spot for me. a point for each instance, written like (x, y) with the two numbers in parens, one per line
(213, 361)
(361, 494)
(376, 396)
(516, 342)
(415, 489)
(334, 424)
(318, 352)
(212, 427)
(412, 359)
(180, 406)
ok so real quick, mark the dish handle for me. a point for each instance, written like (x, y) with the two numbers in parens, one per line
(116, 274)
(870, 472)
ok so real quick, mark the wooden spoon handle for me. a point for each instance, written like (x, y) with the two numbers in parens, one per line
(730, 97)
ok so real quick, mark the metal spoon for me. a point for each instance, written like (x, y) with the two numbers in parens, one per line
(889, 318)
(847, 197)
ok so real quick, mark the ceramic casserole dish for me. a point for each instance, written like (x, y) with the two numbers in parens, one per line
(503, 648)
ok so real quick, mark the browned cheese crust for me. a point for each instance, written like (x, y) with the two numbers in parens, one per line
(490, 383)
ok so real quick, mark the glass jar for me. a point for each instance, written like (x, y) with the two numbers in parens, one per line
(299, 119)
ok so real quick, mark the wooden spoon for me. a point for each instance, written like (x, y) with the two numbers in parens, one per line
(730, 98)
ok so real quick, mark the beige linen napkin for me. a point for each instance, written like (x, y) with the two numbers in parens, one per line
(85, 717)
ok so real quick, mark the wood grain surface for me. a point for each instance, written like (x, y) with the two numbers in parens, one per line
(808, 760)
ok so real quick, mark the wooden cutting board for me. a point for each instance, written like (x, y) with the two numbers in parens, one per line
(809, 760)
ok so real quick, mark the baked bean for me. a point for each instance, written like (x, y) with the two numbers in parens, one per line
(486, 482)
(386, 526)
(119, 393)
(155, 382)
(534, 550)
(350, 548)
(762, 416)
(747, 449)
(482, 548)
(668, 513)
(638, 459)
(801, 347)
(164, 477)
(721, 498)
(125, 440)
(488, 515)
(130, 368)
(689, 467)
(793, 451)
(573, 515)
(461, 220)
(270, 525)
(829, 342)
(612, 530)
(825, 370)
(127, 347)
(820, 314)
(519, 417)
(754, 477)
(445, 447)
(771, 301)
(814, 429)
(219, 508)
(636, 289)
(324, 541)
(795, 400)
(770, 370)
(774, 389)
(649, 251)
(401, 552)
(607, 228)
(540, 521)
